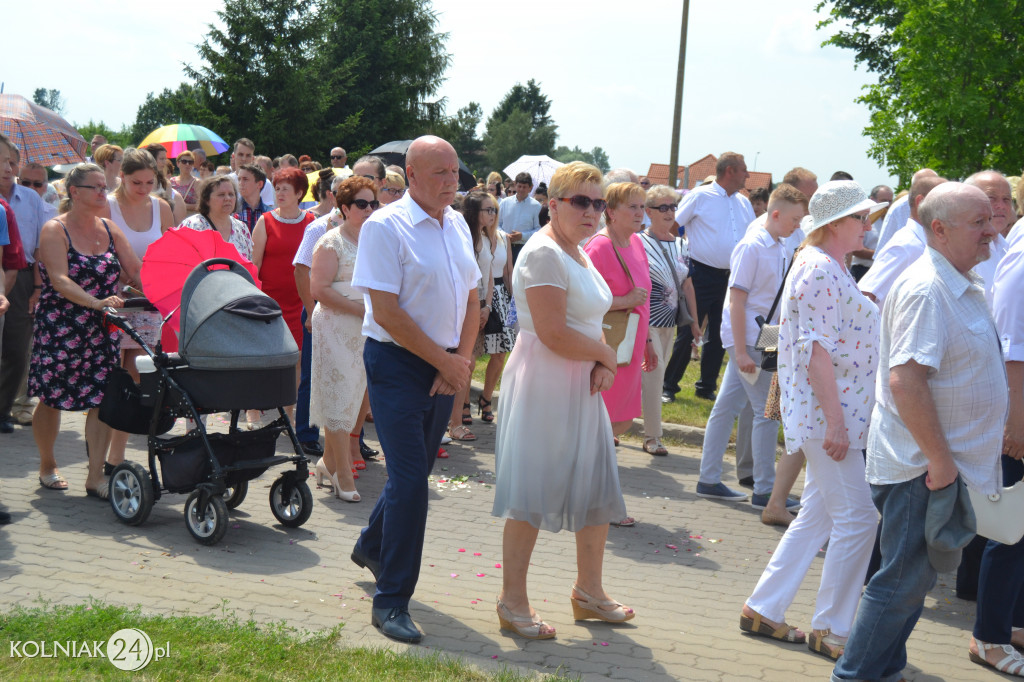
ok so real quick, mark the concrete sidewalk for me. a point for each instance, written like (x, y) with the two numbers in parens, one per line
(686, 569)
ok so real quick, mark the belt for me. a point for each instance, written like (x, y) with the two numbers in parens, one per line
(392, 343)
(499, 280)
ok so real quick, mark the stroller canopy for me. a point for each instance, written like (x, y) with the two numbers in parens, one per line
(227, 323)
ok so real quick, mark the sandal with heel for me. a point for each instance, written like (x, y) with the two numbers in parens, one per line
(537, 629)
(485, 409)
(825, 643)
(467, 416)
(586, 607)
(784, 633)
(1011, 664)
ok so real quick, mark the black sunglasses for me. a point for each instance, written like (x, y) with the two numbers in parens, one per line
(583, 203)
(361, 204)
(664, 208)
(187, 162)
(38, 184)
(338, 158)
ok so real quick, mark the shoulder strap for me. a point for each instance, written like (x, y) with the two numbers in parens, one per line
(778, 296)
(621, 261)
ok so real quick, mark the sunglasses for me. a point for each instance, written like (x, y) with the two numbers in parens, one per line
(489, 209)
(583, 203)
(95, 188)
(38, 184)
(664, 208)
(361, 204)
(186, 162)
(337, 158)
(862, 218)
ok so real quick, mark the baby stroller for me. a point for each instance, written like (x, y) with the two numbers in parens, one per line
(236, 353)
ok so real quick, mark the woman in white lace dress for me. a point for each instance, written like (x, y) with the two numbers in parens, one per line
(338, 391)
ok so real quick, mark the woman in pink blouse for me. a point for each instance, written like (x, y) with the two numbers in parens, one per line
(618, 254)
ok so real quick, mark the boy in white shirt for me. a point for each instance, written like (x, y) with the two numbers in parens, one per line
(757, 266)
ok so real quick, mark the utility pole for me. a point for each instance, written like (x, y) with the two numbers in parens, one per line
(673, 164)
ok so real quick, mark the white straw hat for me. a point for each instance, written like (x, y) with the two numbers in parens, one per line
(838, 199)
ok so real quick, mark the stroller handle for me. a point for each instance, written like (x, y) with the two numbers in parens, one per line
(232, 265)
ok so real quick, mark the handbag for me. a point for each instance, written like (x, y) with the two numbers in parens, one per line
(773, 405)
(620, 326)
(683, 316)
(494, 325)
(1000, 516)
(768, 337)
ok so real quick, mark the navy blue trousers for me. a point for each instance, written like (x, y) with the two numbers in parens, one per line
(1001, 581)
(305, 432)
(410, 424)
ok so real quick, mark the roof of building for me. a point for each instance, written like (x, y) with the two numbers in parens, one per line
(701, 169)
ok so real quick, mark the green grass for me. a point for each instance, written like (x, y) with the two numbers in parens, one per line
(208, 647)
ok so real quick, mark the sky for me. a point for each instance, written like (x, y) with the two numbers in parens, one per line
(757, 80)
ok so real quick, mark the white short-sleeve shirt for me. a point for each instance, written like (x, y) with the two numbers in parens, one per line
(316, 229)
(986, 269)
(895, 220)
(757, 265)
(430, 266)
(938, 318)
(715, 221)
(1006, 307)
(893, 260)
(821, 303)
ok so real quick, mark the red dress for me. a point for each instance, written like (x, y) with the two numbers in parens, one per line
(277, 272)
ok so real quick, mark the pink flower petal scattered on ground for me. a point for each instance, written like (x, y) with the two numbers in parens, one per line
(497, 565)
(455, 575)
(657, 551)
(473, 601)
(477, 554)
(604, 643)
(671, 547)
(480, 575)
(462, 550)
(494, 656)
(697, 537)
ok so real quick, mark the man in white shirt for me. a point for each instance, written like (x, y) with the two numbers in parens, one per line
(519, 215)
(418, 273)
(715, 216)
(905, 247)
(862, 259)
(941, 389)
(31, 212)
(997, 188)
(339, 158)
(899, 211)
(244, 154)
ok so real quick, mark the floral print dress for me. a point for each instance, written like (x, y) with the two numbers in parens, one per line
(73, 351)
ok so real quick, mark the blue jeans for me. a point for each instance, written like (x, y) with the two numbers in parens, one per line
(894, 598)
(1001, 580)
(305, 432)
(410, 424)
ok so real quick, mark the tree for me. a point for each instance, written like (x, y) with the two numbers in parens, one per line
(950, 88)
(186, 104)
(519, 125)
(460, 130)
(596, 156)
(871, 24)
(51, 99)
(122, 138)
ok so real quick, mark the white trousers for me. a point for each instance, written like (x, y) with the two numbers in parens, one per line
(836, 507)
(650, 382)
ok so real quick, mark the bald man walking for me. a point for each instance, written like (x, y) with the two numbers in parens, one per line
(418, 274)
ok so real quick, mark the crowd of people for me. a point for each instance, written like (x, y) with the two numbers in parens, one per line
(895, 363)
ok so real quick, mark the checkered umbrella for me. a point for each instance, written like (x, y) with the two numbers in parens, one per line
(41, 135)
(178, 137)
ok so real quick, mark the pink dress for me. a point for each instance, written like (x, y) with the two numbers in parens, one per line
(623, 398)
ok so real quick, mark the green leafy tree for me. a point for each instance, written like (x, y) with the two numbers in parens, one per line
(596, 156)
(49, 98)
(868, 31)
(951, 84)
(461, 131)
(520, 124)
(526, 98)
(186, 104)
(122, 138)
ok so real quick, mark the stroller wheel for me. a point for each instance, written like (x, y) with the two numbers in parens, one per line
(235, 494)
(131, 493)
(294, 508)
(211, 528)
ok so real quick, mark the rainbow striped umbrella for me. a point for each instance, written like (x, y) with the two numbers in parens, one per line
(41, 135)
(178, 137)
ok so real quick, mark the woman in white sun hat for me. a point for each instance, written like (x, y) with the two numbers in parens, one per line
(828, 358)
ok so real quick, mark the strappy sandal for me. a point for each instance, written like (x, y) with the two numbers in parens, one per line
(485, 409)
(467, 416)
(589, 608)
(825, 643)
(1011, 664)
(537, 629)
(54, 481)
(783, 633)
(461, 433)
(653, 446)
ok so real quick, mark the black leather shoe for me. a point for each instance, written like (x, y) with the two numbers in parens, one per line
(667, 398)
(363, 561)
(313, 448)
(705, 395)
(6, 425)
(367, 452)
(747, 482)
(396, 623)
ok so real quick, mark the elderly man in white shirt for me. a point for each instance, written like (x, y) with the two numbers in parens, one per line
(716, 217)
(417, 270)
(519, 215)
(32, 212)
(899, 211)
(905, 248)
(941, 388)
(997, 188)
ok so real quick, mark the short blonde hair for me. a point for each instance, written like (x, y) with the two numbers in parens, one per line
(619, 193)
(394, 181)
(106, 152)
(572, 176)
(657, 193)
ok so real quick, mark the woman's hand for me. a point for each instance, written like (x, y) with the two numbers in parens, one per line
(635, 298)
(837, 440)
(109, 302)
(743, 360)
(695, 331)
(601, 379)
(484, 314)
(609, 360)
(650, 362)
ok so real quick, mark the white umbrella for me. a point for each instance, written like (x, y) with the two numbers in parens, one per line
(540, 168)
